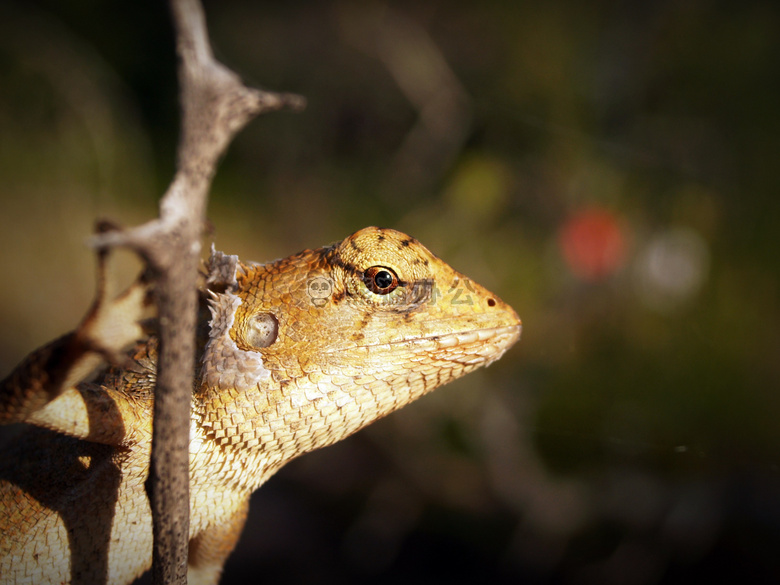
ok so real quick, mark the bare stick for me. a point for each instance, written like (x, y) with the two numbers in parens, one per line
(215, 106)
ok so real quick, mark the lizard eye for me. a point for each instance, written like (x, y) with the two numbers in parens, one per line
(380, 280)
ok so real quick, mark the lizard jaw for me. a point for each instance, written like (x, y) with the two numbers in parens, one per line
(512, 333)
(491, 343)
(456, 338)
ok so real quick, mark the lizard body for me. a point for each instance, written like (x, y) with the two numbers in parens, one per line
(296, 355)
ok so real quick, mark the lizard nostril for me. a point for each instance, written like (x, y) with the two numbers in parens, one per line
(491, 302)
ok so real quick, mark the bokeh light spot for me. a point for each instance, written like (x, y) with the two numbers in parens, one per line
(593, 244)
(671, 268)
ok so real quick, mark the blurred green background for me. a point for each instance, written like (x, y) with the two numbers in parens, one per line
(607, 168)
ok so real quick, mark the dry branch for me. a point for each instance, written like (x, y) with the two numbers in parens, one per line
(215, 106)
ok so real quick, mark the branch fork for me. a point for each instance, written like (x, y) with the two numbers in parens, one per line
(215, 106)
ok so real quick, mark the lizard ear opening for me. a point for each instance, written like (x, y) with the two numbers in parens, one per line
(261, 331)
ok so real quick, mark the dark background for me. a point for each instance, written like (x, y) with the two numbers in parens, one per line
(607, 168)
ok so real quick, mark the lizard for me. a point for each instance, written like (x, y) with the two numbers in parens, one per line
(295, 355)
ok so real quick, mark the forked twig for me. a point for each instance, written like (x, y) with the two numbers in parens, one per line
(215, 106)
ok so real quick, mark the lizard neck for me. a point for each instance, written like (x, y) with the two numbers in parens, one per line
(250, 418)
(228, 406)
(245, 435)
(221, 459)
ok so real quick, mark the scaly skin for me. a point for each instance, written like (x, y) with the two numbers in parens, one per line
(298, 354)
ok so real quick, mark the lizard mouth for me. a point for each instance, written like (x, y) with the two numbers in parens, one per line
(511, 333)
(477, 346)
(494, 341)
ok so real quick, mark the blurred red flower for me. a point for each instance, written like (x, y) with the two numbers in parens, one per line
(593, 244)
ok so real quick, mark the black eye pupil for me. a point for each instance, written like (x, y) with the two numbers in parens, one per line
(383, 279)
(380, 280)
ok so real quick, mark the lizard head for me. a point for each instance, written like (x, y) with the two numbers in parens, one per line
(326, 341)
